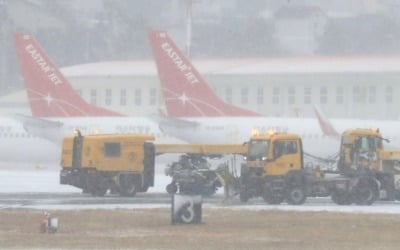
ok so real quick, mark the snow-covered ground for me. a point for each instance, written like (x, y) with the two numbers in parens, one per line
(307, 207)
(48, 181)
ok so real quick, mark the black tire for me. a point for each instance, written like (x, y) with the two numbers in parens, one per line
(96, 184)
(143, 189)
(100, 191)
(102, 185)
(296, 195)
(171, 188)
(341, 198)
(365, 192)
(273, 199)
(127, 185)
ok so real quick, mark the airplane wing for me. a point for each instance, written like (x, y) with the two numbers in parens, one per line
(43, 128)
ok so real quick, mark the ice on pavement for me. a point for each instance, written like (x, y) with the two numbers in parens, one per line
(47, 181)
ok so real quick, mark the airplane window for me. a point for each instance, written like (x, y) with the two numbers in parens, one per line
(307, 95)
(339, 95)
(228, 95)
(108, 97)
(245, 95)
(323, 95)
(153, 96)
(372, 94)
(122, 100)
(275, 95)
(260, 95)
(93, 96)
(291, 93)
(138, 97)
(356, 94)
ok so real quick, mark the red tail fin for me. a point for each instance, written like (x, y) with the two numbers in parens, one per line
(49, 93)
(325, 125)
(185, 92)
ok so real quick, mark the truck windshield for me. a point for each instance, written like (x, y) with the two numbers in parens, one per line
(257, 149)
(368, 143)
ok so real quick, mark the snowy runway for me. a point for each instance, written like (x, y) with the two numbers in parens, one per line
(40, 189)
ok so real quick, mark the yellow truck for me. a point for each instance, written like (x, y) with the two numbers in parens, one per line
(97, 163)
(124, 164)
(274, 169)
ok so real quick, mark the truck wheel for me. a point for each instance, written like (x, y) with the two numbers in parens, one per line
(171, 188)
(296, 196)
(96, 184)
(101, 186)
(341, 198)
(365, 192)
(272, 199)
(100, 191)
(127, 185)
(143, 189)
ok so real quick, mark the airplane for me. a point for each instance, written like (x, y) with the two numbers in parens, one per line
(197, 115)
(56, 111)
(20, 149)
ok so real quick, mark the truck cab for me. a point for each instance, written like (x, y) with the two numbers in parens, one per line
(273, 168)
(360, 150)
(275, 154)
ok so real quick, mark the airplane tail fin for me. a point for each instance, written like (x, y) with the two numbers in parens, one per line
(185, 92)
(325, 125)
(49, 93)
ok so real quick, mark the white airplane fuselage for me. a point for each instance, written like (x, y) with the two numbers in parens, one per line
(239, 129)
(19, 146)
(35, 146)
